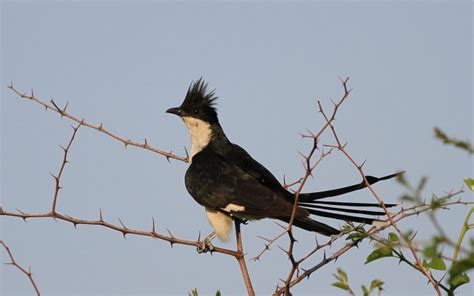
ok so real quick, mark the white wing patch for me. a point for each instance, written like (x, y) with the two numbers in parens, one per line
(200, 132)
(234, 208)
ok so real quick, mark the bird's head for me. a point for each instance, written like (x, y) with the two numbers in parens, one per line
(198, 103)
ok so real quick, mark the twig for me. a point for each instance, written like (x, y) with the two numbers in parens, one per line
(401, 215)
(241, 259)
(57, 178)
(28, 272)
(427, 273)
(100, 127)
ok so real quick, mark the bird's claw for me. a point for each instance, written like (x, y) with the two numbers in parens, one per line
(206, 245)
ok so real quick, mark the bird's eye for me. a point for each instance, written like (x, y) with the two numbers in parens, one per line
(196, 111)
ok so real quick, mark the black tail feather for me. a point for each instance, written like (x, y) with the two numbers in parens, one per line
(312, 225)
(346, 203)
(342, 216)
(346, 210)
(306, 197)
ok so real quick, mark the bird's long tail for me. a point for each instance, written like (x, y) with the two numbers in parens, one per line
(340, 210)
(313, 196)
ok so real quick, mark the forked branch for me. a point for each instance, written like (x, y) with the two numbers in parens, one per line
(13, 262)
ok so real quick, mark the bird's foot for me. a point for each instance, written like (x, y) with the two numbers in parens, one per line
(206, 245)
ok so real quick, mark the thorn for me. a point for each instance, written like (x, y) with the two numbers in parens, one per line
(302, 155)
(186, 151)
(75, 224)
(146, 143)
(280, 225)
(285, 251)
(169, 232)
(56, 106)
(199, 236)
(153, 230)
(100, 127)
(62, 147)
(65, 107)
(126, 143)
(101, 219)
(123, 225)
(32, 94)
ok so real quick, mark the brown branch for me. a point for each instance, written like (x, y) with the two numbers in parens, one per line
(309, 168)
(418, 263)
(100, 127)
(401, 215)
(119, 228)
(241, 260)
(57, 178)
(28, 272)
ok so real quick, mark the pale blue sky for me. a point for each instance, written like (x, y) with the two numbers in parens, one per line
(124, 64)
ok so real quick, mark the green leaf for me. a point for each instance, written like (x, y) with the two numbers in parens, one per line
(376, 284)
(342, 275)
(341, 285)
(356, 236)
(458, 280)
(381, 252)
(470, 183)
(393, 237)
(365, 292)
(430, 251)
(436, 263)
(462, 266)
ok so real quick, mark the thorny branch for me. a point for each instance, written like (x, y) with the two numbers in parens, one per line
(401, 215)
(100, 221)
(419, 264)
(100, 127)
(241, 260)
(296, 274)
(309, 168)
(121, 227)
(13, 262)
(393, 218)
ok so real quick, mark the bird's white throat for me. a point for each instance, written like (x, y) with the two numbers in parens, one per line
(200, 133)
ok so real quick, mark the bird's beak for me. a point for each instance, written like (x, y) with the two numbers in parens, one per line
(176, 111)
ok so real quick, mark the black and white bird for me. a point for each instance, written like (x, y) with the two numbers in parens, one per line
(230, 184)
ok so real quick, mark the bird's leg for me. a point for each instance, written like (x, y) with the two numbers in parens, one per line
(207, 245)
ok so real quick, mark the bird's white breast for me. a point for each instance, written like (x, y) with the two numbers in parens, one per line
(200, 133)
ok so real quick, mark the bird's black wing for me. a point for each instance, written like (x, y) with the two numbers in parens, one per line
(239, 157)
(215, 182)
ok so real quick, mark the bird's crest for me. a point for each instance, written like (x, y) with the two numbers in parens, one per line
(198, 96)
